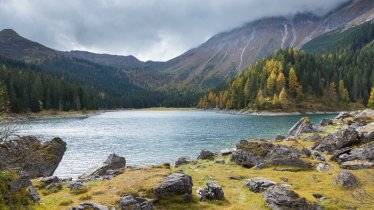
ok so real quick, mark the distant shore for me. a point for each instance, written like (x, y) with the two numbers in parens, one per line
(269, 113)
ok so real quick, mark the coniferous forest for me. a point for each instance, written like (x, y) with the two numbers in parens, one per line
(339, 78)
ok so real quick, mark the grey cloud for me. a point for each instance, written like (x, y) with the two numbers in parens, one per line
(148, 29)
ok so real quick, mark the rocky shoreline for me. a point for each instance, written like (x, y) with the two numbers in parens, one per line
(310, 167)
(269, 113)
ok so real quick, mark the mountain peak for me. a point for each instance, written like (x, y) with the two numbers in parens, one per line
(8, 32)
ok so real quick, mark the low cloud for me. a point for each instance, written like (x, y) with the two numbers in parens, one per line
(147, 29)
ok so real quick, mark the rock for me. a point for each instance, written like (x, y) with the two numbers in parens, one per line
(225, 152)
(366, 133)
(113, 162)
(32, 156)
(89, 206)
(183, 160)
(220, 161)
(264, 154)
(343, 115)
(33, 194)
(314, 137)
(281, 198)
(54, 187)
(318, 196)
(76, 186)
(21, 181)
(318, 156)
(205, 155)
(234, 177)
(212, 191)
(346, 179)
(342, 138)
(66, 180)
(279, 137)
(259, 184)
(128, 202)
(302, 126)
(305, 152)
(325, 122)
(50, 180)
(174, 184)
(364, 152)
(355, 165)
(323, 166)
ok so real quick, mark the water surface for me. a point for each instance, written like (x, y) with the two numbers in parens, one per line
(151, 137)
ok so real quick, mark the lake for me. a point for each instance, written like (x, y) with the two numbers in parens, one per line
(147, 137)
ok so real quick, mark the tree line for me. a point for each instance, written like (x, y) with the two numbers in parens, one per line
(292, 79)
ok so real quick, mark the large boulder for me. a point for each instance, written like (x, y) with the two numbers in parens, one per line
(212, 191)
(302, 126)
(355, 165)
(129, 202)
(258, 184)
(110, 167)
(364, 152)
(325, 122)
(174, 184)
(206, 155)
(262, 154)
(32, 156)
(366, 133)
(183, 160)
(345, 179)
(281, 198)
(89, 206)
(342, 138)
(343, 115)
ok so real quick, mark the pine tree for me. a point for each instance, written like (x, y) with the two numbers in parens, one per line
(293, 84)
(4, 99)
(343, 92)
(260, 99)
(281, 82)
(275, 101)
(332, 92)
(371, 99)
(283, 98)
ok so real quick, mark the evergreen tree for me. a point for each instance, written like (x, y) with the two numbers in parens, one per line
(281, 82)
(293, 84)
(371, 99)
(4, 99)
(343, 92)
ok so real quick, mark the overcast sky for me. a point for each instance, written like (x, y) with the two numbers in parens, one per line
(147, 29)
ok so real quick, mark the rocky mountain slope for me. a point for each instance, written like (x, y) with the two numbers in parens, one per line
(228, 53)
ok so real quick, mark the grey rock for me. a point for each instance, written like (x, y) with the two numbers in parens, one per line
(355, 165)
(49, 180)
(325, 122)
(343, 115)
(258, 184)
(346, 179)
(32, 156)
(279, 137)
(174, 184)
(129, 202)
(225, 152)
(302, 126)
(305, 152)
(314, 137)
(76, 186)
(318, 156)
(212, 191)
(113, 162)
(342, 138)
(281, 198)
(364, 152)
(234, 177)
(54, 187)
(187, 198)
(89, 206)
(183, 160)
(205, 155)
(220, 161)
(33, 194)
(22, 181)
(264, 154)
(323, 166)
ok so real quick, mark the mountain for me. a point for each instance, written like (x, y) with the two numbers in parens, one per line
(334, 71)
(228, 53)
(14, 46)
(125, 62)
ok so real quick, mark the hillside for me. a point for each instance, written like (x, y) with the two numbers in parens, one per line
(228, 53)
(292, 80)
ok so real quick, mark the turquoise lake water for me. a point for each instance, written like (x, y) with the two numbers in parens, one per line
(147, 137)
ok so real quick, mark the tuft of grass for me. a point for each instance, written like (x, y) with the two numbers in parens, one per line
(85, 197)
